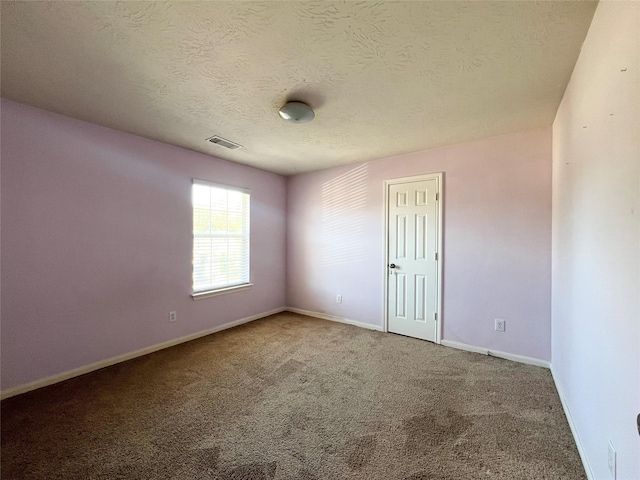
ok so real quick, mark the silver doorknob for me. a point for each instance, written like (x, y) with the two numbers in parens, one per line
(393, 265)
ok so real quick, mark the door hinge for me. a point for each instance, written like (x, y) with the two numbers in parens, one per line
(437, 196)
(436, 256)
(435, 316)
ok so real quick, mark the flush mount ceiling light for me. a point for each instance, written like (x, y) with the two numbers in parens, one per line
(296, 112)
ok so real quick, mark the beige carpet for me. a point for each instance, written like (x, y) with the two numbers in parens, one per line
(290, 397)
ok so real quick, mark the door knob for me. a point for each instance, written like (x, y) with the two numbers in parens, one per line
(393, 265)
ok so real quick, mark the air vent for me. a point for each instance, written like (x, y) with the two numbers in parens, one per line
(223, 142)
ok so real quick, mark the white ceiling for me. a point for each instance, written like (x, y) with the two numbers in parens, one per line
(383, 77)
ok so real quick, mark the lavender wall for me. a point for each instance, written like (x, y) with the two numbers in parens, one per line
(497, 240)
(96, 243)
(596, 242)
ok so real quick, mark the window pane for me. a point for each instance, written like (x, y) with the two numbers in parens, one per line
(219, 221)
(218, 199)
(201, 196)
(235, 223)
(235, 272)
(235, 248)
(235, 201)
(201, 221)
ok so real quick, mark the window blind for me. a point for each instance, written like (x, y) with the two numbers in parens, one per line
(220, 236)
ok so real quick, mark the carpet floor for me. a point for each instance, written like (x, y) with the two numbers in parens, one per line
(291, 397)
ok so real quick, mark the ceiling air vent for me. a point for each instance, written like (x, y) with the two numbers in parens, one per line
(224, 142)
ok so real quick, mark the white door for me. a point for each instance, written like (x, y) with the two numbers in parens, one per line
(412, 268)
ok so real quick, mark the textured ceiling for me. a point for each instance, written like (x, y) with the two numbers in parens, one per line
(383, 77)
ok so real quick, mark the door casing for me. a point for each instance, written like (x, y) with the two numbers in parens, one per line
(439, 177)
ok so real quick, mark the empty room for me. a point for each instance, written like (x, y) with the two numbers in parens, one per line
(320, 240)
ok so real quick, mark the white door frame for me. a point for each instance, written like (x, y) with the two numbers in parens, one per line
(417, 178)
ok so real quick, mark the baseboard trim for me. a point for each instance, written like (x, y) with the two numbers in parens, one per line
(496, 353)
(334, 318)
(27, 387)
(572, 426)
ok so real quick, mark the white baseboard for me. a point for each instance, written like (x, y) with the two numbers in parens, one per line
(572, 426)
(334, 318)
(464, 346)
(496, 353)
(27, 387)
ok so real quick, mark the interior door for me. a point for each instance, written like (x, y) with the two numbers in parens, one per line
(412, 286)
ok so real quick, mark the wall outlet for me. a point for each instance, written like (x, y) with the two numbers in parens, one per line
(501, 325)
(173, 316)
(338, 298)
(612, 461)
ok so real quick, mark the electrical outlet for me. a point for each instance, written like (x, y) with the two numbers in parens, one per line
(173, 316)
(501, 325)
(612, 461)
(338, 298)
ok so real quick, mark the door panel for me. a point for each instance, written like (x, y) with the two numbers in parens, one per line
(412, 247)
(401, 236)
(401, 295)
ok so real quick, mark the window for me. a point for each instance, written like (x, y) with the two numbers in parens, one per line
(220, 238)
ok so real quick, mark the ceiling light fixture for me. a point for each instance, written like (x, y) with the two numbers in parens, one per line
(296, 112)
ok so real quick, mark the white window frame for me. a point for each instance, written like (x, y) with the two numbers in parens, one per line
(229, 288)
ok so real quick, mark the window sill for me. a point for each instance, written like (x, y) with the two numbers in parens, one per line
(220, 291)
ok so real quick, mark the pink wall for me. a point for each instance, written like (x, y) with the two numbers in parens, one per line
(596, 242)
(497, 239)
(96, 243)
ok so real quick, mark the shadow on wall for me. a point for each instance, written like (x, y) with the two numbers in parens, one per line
(343, 209)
